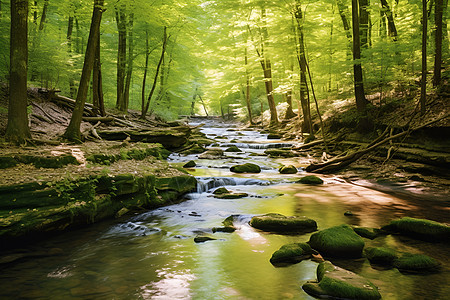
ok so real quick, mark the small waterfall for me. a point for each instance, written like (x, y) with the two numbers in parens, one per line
(258, 146)
(204, 184)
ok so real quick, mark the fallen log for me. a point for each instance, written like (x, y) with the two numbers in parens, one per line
(98, 119)
(341, 162)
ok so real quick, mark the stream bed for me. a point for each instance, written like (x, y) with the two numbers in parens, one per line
(153, 255)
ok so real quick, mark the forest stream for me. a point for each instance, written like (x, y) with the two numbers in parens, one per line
(153, 255)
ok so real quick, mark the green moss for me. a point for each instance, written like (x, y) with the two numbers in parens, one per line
(231, 196)
(337, 241)
(48, 161)
(196, 149)
(366, 232)
(291, 253)
(190, 164)
(380, 255)
(416, 263)
(233, 149)
(280, 223)
(310, 179)
(246, 168)
(288, 170)
(220, 191)
(228, 226)
(420, 228)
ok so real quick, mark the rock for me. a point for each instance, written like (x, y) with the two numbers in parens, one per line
(340, 283)
(416, 263)
(291, 253)
(220, 191)
(123, 211)
(190, 164)
(194, 150)
(212, 153)
(310, 179)
(279, 223)
(420, 228)
(366, 232)
(246, 168)
(231, 195)
(288, 169)
(380, 255)
(279, 153)
(274, 136)
(348, 214)
(228, 225)
(201, 238)
(233, 149)
(337, 241)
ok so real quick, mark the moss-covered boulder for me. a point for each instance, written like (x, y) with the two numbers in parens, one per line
(291, 253)
(213, 153)
(340, 283)
(233, 148)
(228, 226)
(310, 179)
(279, 153)
(380, 255)
(195, 149)
(337, 241)
(220, 191)
(274, 136)
(420, 228)
(279, 223)
(416, 263)
(201, 238)
(190, 164)
(366, 232)
(288, 169)
(246, 168)
(231, 195)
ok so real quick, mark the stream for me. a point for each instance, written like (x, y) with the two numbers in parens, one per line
(152, 255)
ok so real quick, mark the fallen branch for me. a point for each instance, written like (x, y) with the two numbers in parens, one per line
(98, 119)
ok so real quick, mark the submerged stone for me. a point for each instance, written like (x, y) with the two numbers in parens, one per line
(340, 283)
(279, 223)
(380, 255)
(228, 225)
(420, 228)
(337, 241)
(201, 238)
(288, 169)
(310, 179)
(416, 263)
(291, 253)
(246, 168)
(190, 164)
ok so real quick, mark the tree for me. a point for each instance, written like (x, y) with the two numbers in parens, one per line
(438, 42)
(17, 129)
(423, 83)
(73, 130)
(357, 69)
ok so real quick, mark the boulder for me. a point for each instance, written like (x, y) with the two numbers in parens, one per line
(190, 164)
(213, 153)
(291, 253)
(231, 195)
(337, 241)
(220, 191)
(201, 238)
(246, 168)
(420, 228)
(274, 136)
(310, 179)
(228, 226)
(340, 283)
(233, 149)
(195, 149)
(366, 232)
(288, 169)
(279, 223)
(380, 255)
(416, 263)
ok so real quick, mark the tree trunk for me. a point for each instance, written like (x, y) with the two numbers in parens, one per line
(97, 84)
(73, 130)
(391, 25)
(343, 12)
(357, 69)
(364, 23)
(144, 79)
(301, 57)
(423, 83)
(129, 73)
(72, 88)
(438, 42)
(121, 58)
(44, 15)
(17, 129)
(247, 93)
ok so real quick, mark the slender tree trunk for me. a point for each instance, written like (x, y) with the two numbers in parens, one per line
(35, 13)
(364, 23)
(423, 83)
(301, 57)
(1, 10)
(391, 24)
(247, 93)
(438, 43)
(130, 61)
(17, 129)
(357, 69)
(78, 42)
(445, 41)
(97, 85)
(121, 58)
(73, 130)
(44, 15)
(144, 79)
(343, 12)
(72, 88)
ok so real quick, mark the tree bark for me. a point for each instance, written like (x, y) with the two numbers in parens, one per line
(44, 15)
(423, 83)
(130, 60)
(343, 12)
(97, 84)
(73, 130)
(357, 69)
(17, 129)
(247, 93)
(386, 10)
(121, 58)
(438, 42)
(144, 79)
(364, 23)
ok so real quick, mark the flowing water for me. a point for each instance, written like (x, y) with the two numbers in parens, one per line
(153, 256)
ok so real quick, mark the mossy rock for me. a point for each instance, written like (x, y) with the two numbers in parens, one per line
(246, 168)
(310, 179)
(288, 169)
(196, 149)
(231, 195)
(220, 191)
(416, 263)
(228, 225)
(366, 232)
(274, 136)
(201, 238)
(340, 283)
(420, 228)
(190, 164)
(380, 255)
(233, 148)
(279, 153)
(337, 241)
(212, 154)
(291, 253)
(279, 223)
(7, 162)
